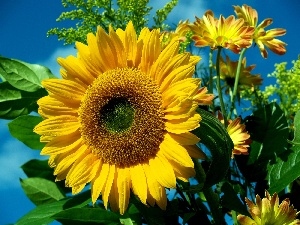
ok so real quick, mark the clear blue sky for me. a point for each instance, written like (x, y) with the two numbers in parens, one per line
(23, 27)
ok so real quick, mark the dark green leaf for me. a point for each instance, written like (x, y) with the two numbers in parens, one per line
(38, 168)
(286, 168)
(153, 215)
(41, 191)
(268, 128)
(231, 201)
(87, 216)
(14, 102)
(22, 75)
(22, 129)
(42, 214)
(214, 136)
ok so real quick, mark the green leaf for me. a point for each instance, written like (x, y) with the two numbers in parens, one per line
(41, 191)
(286, 168)
(153, 215)
(14, 102)
(87, 216)
(42, 214)
(22, 129)
(268, 128)
(231, 201)
(23, 76)
(214, 136)
(38, 168)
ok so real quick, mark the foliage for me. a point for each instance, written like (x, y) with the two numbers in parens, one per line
(105, 13)
(222, 179)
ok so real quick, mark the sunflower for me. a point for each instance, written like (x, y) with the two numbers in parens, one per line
(238, 135)
(120, 119)
(230, 33)
(228, 70)
(269, 211)
(261, 37)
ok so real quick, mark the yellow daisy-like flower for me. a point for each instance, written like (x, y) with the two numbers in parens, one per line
(228, 70)
(120, 119)
(179, 33)
(238, 135)
(268, 211)
(261, 37)
(230, 33)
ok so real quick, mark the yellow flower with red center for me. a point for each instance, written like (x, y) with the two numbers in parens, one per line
(228, 71)
(238, 135)
(120, 119)
(230, 33)
(262, 37)
(268, 211)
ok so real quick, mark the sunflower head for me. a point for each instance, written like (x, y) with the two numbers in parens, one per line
(120, 119)
(230, 33)
(262, 37)
(268, 211)
(228, 71)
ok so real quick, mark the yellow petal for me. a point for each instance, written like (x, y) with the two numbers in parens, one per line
(181, 172)
(139, 183)
(62, 144)
(185, 138)
(66, 90)
(58, 126)
(76, 70)
(163, 171)
(195, 152)
(175, 152)
(123, 184)
(99, 181)
(183, 125)
(108, 184)
(49, 106)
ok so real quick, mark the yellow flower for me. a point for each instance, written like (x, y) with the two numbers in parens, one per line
(179, 33)
(230, 33)
(120, 119)
(238, 135)
(268, 211)
(228, 71)
(261, 37)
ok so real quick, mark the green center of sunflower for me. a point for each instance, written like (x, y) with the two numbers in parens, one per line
(122, 117)
(117, 115)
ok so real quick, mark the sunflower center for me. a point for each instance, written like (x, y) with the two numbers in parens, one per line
(117, 115)
(122, 118)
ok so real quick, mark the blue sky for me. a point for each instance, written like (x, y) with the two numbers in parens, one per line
(23, 28)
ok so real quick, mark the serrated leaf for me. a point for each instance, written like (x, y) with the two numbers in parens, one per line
(14, 102)
(22, 129)
(87, 216)
(23, 76)
(286, 168)
(214, 136)
(268, 128)
(41, 191)
(42, 214)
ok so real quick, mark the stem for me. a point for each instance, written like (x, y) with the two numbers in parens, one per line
(219, 88)
(236, 81)
(214, 205)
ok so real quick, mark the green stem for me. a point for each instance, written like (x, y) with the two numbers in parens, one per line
(219, 88)
(236, 82)
(214, 205)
